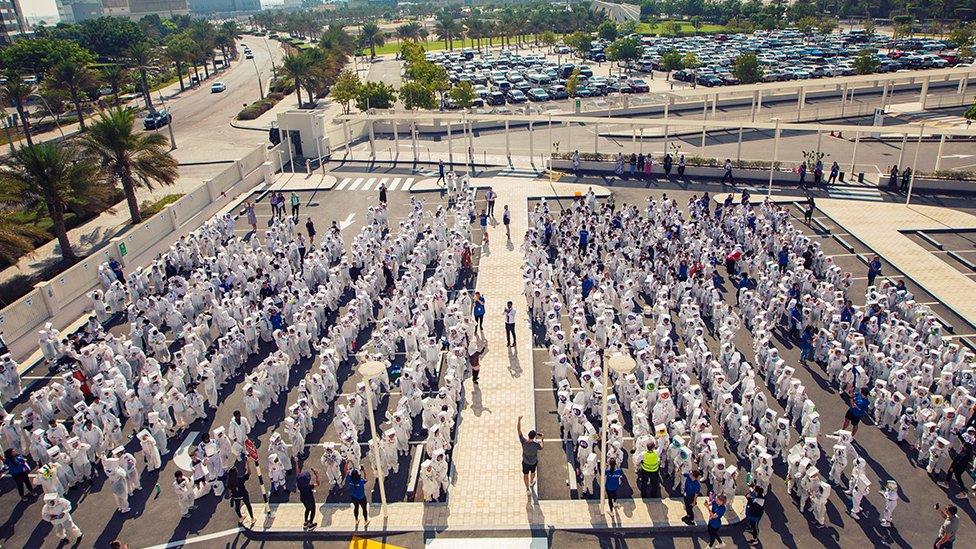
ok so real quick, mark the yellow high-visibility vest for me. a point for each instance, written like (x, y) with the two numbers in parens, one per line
(651, 462)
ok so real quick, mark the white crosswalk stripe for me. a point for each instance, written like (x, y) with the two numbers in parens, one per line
(519, 173)
(863, 193)
(373, 183)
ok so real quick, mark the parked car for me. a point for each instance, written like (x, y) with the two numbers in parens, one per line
(538, 94)
(558, 91)
(516, 96)
(496, 98)
(217, 87)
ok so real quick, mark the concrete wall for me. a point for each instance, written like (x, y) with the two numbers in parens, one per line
(779, 176)
(62, 293)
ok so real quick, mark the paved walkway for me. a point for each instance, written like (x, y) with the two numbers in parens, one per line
(878, 227)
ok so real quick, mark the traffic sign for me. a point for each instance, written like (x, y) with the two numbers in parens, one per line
(251, 449)
(122, 250)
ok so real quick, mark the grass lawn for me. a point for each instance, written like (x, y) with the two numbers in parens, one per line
(686, 27)
(393, 46)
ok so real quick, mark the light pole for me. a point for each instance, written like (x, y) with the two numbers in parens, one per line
(274, 70)
(623, 365)
(169, 124)
(260, 85)
(369, 371)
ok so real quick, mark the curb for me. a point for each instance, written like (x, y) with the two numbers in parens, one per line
(206, 163)
(252, 128)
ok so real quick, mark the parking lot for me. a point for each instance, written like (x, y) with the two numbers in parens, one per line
(504, 78)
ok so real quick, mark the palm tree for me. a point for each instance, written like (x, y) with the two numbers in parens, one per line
(142, 56)
(115, 75)
(296, 66)
(409, 31)
(74, 77)
(134, 159)
(57, 177)
(16, 239)
(179, 50)
(445, 28)
(15, 92)
(371, 35)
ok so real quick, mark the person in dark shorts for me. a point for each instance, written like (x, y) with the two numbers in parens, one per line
(859, 407)
(356, 482)
(531, 447)
(690, 494)
(237, 485)
(306, 482)
(612, 483)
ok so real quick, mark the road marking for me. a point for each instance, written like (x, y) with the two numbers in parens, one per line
(957, 156)
(347, 221)
(369, 184)
(407, 184)
(182, 456)
(393, 183)
(486, 543)
(342, 184)
(356, 183)
(197, 539)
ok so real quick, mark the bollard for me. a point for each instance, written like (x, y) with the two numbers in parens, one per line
(308, 167)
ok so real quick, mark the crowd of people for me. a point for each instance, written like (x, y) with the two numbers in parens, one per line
(652, 283)
(199, 318)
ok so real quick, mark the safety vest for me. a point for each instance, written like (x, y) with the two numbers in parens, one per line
(651, 462)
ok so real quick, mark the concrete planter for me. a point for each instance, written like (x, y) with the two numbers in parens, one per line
(944, 185)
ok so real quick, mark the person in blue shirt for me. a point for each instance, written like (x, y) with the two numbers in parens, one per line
(783, 259)
(856, 412)
(356, 483)
(584, 238)
(614, 476)
(715, 521)
(18, 468)
(743, 284)
(478, 309)
(755, 508)
(874, 269)
(806, 344)
(690, 494)
(847, 313)
(587, 286)
(796, 317)
(683, 270)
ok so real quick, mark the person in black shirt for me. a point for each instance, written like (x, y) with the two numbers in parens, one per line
(310, 227)
(755, 508)
(307, 482)
(237, 485)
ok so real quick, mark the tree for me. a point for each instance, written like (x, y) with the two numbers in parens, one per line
(179, 50)
(671, 60)
(375, 95)
(970, 114)
(806, 24)
(296, 67)
(690, 61)
(670, 28)
(133, 159)
(141, 57)
(409, 31)
(747, 68)
(697, 23)
(74, 76)
(371, 35)
(580, 42)
(115, 75)
(345, 89)
(16, 238)
(866, 62)
(15, 91)
(110, 37)
(463, 94)
(607, 30)
(572, 83)
(624, 50)
(870, 27)
(549, 39)
(56, 177)
(826, 25)
(446, 28)
(417, 96)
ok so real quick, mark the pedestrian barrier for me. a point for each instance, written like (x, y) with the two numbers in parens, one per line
(924, 236)
(969, 264)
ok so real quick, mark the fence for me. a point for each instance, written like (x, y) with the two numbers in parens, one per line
(49, 298)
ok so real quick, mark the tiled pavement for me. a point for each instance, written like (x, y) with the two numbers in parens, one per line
(878, 228)
(486, 490)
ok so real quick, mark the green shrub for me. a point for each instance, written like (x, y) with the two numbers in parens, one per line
(150, 209)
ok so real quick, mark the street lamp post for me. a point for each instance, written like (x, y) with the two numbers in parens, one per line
(260, 85)
(623, 365)
(369, 371)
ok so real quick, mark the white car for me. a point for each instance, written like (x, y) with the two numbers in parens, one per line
(217, 87)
